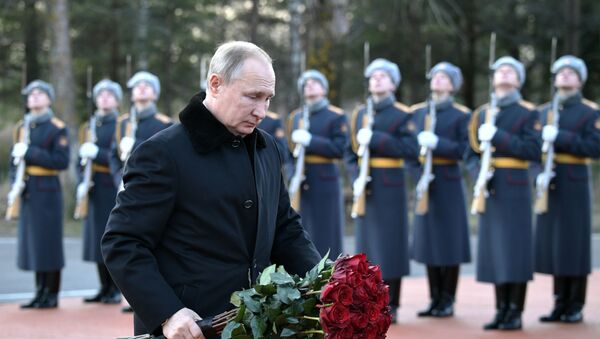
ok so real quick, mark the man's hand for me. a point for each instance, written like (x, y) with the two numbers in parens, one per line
(19, 150)
(364, 136)
(88, 150)
(182, 324)
(302, 137)
(486, 132)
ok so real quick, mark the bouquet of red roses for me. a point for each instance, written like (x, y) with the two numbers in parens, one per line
(342, 299)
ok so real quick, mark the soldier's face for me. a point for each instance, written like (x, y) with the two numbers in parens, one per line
(143, 91)
(440, 82)
(567, 78)
(313, 89)
(105, 100)
(381, 83)
(241, 104)
(37, 100)
(506, 76)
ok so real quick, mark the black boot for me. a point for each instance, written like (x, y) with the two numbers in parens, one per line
(434, 277)
(512, 319)
(102, 275)
(39, 289)
(445, 308)
(501, 307)
(560, 300)
(49, 298)
(577, 289)
(113, 294)
(394, 293)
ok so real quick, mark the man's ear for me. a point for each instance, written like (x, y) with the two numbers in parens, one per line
(214, 84)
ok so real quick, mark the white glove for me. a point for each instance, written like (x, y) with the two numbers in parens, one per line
(428, 139)
(88, 150)
(301, 136)
(19, 150)
(364, 136)
(549, 133)
(542, 180)
(126, 145)
(486, 132)
(13, 194)
(82, 190)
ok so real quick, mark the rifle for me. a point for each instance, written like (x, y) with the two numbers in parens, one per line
(204, 61)
(81, 207)
(360, 183)
(299, 154)
(14, 195)
(486, 172)
(541, 201)
(131, 127)
(430, 122)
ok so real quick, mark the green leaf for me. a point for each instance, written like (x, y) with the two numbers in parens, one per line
(235, 299)
(293, 320)
(265, 276)
(287, 294)
(229, 328)
(287, 332)
(282, 278)
(266, 290)
(258, 327)
(240, 315)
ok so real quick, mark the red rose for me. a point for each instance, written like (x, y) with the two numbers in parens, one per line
(372, 311)
(360, 295)
(376, 270)
(370, 332)
(341, 333)
(335, 316)
(354, 279)
(383, 296)
(359, 320)
(337, 292)
(383, 323)
(356, 262)
(371, 284)
(339, 276)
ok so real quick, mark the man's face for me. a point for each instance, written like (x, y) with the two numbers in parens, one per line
(381, 83)
(506, 76)
(243, 103)
(38, 100)
(567, 78)
(440, 82)
(105, 100)
(143, 91)
(313, 89)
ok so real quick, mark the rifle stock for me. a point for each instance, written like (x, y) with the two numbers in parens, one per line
(299, 154)
(541, 202)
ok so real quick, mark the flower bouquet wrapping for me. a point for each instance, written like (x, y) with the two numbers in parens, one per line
(342, 299)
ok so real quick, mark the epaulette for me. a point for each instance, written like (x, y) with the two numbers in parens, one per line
(165, 119)
(335, 109)
(353, 127)
(474, 126)
(403, 107)
(57, 122)
(418, 106)
(273, 115)
(290, 126)
(529, 105)
(461, 108)
(590, 103)
(83, 132)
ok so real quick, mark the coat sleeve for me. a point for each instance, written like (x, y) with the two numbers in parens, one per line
(55, 157)
(399, 141)
(454, 148)
(525, 144)
(334, 145)
(585, 143)
(114, 162)
(135, 228)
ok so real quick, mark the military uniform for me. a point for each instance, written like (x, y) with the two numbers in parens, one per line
(149, 123)
(441, 236)
(40, 225)
(382, 233)
(505, 228)
(563, 233)
(321, 191)
(272, 124)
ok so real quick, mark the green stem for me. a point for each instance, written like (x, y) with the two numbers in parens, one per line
(311, 318)
(312, 292)
(313, 332)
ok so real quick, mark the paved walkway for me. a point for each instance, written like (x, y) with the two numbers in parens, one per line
(73, 319)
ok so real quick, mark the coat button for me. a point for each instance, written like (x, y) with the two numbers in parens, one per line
(248, 203)
(305, 187)
(236, 143)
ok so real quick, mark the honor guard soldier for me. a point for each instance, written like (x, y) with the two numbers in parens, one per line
(563, 231)
(95, 143)
(441, 231)
(382, 230)
(325, 142)
(42, 142)
(142, 122)
(505, 223)
(273, 125)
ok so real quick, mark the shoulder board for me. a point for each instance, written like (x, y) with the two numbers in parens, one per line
(590, 103)
(57, 122)
(163, 118)
(418, 106)
(402, 106)
(273, 115)
(122, 117)
(462, 108)
(529, 105)
(335, 109)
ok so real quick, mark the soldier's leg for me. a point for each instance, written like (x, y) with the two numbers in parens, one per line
(102, 275)
(49, 297)
(434, 279)
(560, 300)
(445, 307)
(512, 320)
(576, 299)
(394, 294)
(39, 289)
(112, 294)
(502, 295)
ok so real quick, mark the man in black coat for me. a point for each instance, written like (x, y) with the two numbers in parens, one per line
(204, 207)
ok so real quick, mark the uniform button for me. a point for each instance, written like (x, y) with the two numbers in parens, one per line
(305, 187)
(492, 191)
(552, 186)
(248, 203)
(236, 143)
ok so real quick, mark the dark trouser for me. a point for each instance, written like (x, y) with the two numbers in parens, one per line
(47, 287)
(569, 299)
(394, 292)
(510, 303)
(442, 290)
